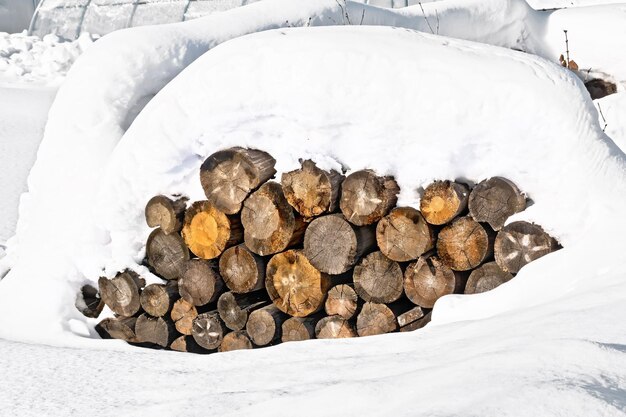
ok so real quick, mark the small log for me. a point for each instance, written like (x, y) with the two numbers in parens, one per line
(443, 201)
(403, 235)
(495, 200)
(486, 278)
(228, 176)
(312, 191)
(235, 341)
(429, 279)
(334, 327)
(334, 245)
(375, 318)
(186, 344)
(464, 244)
(183, 314)
(88, 301)
(599, 88)
(341, 301)
(242, 270)
(200, 283)
(158, 299)
(122, 328)
(166, 254)
(378, 279)
(155, 330)
(270, 224)
(208, 330)
(295, 329)
(121, 294)
(234, 309)
(294, 285)
(264, 325)
(416, 324)
(410, 316)
(208, 231)
(166, 213)
(520, 243)
(366, 197)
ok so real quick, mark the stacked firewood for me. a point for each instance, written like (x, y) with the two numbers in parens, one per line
(318, 255)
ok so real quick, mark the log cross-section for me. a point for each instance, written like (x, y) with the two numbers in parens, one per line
(121, 294)
(494, 200)
(428, 279)
(166, 254)
(208, 330)
(298, 328)
(375, 318)
(158, 299)
(334, 327)
(443, 201)
(341, 301)
(234, 308)
(378, 278)
(88, 301)
(238, 340)
(486, 277)
(464, 244)
(157, 330)
(122, 328)
(200, 283)
(520, 243)
(265, 324)
(242, 270)
(403, 234)
(166, 213)
(183, 314)
(366, 197)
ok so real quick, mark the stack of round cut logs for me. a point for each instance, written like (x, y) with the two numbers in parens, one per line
(318, 255)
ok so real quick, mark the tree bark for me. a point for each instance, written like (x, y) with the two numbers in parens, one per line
(333, 245)
(312, 191)
(234, 309)
(155, 330)
(486, 278)
(166, 254)
(235, 341)
(183, 314)
(228, 176)
(375, 318)
(494, 200)
(366, 197)
(520, 243)
(378, 279)
(264, 325)
(208, 231)
(122, 328)
(121, 293)
(403, 235)
(166, 213)
(242, 270)
(341, 301)
(208, 330)
(294, 285)
(464, 244)
(270, 224)
(429, 279)
(298, 328)
(186, 344)
(334, 327)
(200, 283)
(88, 301)
(443, 201)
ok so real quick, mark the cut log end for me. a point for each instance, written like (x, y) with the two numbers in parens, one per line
(298, 328)
(88, 301)
(520, 243)
(166, 254)
(428, 279)
(183, 314)
(341, 301)
(157, 299)
(403, 235)
(165, 213)
(122, 328)
(366, 197)
(334, 327)
(378, 279)
(464, 244)
(486, 278)
(242, 270)
(121, 294)
(186, 344)
(374, 319)
(200, 283)
(208, 231)
(494, 200)
(264, 325)
(443, 201)
(235, 341)
(156, 330)
(208, 330)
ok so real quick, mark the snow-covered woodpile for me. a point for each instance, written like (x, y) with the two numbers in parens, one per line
(318, 255)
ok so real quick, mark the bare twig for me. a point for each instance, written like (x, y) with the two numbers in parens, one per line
(603, 119)
(344, 11)
(362, 17)
(425, 18)
(437, 16)
(566, 48)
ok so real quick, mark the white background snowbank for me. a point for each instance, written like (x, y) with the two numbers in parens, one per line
(15, 15)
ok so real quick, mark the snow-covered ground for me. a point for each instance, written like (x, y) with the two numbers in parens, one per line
(142, 108)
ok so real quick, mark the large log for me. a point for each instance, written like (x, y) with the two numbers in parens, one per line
(166, 213)
(208, 330)
(156, 330)
(235, 341)
(270, 224)
(295, 329)
(366, 197)
(234, 309)
(443, 201)
(88, 301)
(228, 176)
(122, 328)
(464, 244)
(486, 278)
(494, 200)
(166, 254)
(121, 294)
(333, 245)
(264, 325)
(242, 270)
(341, 301)
(312, 191)
(403, 234)
(375, 318)
(183, 314)
(186, 344)
(334, 327)
(208, 231)
(294, 285)
(158, 299)
(200, 283)
(378, 279)
(520, 243)
(428, 279)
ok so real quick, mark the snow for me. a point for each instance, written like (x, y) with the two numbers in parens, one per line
(141, 109)
(614, 117)
(15, 15)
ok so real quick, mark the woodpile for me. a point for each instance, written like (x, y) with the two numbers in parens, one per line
(318, 255)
